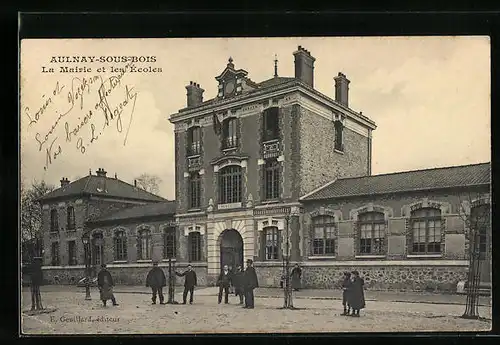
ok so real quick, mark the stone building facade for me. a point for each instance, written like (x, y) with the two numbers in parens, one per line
(245, 158)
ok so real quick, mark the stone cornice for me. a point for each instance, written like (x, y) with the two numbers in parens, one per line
(260, 95)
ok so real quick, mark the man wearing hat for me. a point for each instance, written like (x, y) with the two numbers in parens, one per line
(105, 284)
(156, 280)
(346, 289)
(250, 282)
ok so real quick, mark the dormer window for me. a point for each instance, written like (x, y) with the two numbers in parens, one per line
(194, 141)
(229, 132)
(271, 124)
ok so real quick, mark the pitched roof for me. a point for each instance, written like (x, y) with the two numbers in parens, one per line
(427, 179)
(148, 210)
(274, 81)
(114, 188)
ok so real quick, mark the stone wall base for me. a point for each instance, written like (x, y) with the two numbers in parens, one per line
(388, 278)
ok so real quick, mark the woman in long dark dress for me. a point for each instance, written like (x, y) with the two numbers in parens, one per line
(346, 287)
(356, 294)
(296, 276)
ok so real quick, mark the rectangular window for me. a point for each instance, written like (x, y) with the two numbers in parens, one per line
(55, 254)
(371, 233)
(195, 190)
(54, 221)
(271, 243)
(97, 249)
(194, 139)
(230, 185)
(145, 245)
(120, 246)
(426, 231)
(70, 218)
(271, 124)
(339, 128)
(230, 131)
(169, 243)
(194, 246)
(72, 253)
(323, 237)
(272, 179)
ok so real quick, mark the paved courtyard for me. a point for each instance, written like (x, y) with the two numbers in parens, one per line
(135, 314)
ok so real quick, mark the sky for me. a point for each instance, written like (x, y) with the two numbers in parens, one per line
(429, 96)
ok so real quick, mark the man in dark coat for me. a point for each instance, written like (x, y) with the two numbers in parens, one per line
(105, 284)
(346, 289)
(238, 283)
(296, 276)
(36, 277)
(224, 282)
(356, 294)
(250, 282)
(156, 280)
(189, 283)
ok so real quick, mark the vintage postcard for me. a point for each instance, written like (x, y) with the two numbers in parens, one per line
(255, 185)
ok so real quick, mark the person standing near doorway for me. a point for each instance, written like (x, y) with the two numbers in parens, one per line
(156, 280)
(189, 283)
(250, 283)
(224, 282)
(105, 284)
(238, 283)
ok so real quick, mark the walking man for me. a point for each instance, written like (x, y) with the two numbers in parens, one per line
(346, 287)
(238, 283)
(224, 282)
(189, 283)
(105, 284)
(36, 276)
(356, 294)
(156, 280)
(250, 283)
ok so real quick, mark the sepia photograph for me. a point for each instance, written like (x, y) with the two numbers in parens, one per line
(255, 185)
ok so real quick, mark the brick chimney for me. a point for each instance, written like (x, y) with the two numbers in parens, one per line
(64, 182)
(194, 94)
(342, 89)
(101, 180)
(304, 66)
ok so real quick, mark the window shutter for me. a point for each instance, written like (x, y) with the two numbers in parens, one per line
(309, 238)
(125, 248)
(281, 243)
(138, 241)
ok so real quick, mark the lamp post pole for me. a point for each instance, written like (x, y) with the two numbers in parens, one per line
(287, 288)
(86, 246)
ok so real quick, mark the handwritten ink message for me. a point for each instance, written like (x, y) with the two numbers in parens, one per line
(81, 111)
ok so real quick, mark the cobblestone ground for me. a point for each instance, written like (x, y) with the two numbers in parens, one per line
(135, 314)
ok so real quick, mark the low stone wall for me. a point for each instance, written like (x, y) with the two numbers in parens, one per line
(432, 278)
(123, 274)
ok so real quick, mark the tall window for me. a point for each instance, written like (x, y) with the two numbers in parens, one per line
(271, 236)
(70, 222)
(272, 179)
(54, 220)
(54, 254)
(194, 190)
(323, 235)
(194, 141)
(229, 131)
(230, 185)
(426, 231)
(371, 233)
(169, 250)
(120, 243)
(480, 227)
(271, 124)
(71, 253)
(144, 245)
(194, 240)
(97, 249)
(339, 129)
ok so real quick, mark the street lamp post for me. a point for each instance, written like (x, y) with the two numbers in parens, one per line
(86, 246)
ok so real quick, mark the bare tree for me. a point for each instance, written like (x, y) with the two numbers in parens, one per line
(31, 217)
(148, 182)
(475, 212)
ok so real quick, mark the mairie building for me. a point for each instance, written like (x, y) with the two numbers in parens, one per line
(267, 169)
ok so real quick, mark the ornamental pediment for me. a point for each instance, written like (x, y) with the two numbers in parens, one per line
(231, 159)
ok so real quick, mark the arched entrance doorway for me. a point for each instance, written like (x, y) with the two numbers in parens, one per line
(231, 248)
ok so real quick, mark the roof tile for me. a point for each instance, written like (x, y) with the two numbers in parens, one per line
(436, 178)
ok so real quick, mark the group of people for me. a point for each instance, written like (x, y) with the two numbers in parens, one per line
(243, 281)
(353, 296)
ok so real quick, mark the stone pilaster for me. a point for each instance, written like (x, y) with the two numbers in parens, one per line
(295, 238)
